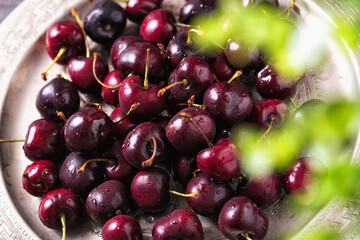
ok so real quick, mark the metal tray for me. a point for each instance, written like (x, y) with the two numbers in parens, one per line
(23, 58)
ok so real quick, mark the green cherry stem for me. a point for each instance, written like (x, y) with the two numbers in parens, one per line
(58, 56)
(63, 223)
(293, 103)
(37, 185)
(78, 20)
(146, 81)
(267, 131)
(193, 194)
(246, 236)
(133, 107)
(11, 140)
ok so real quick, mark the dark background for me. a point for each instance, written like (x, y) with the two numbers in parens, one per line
(6, 6)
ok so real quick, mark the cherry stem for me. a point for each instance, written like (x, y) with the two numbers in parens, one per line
(177, 24)
(78, 20)
(133, 107)
(37, 185)
(61, 115)
(146, 81)
(293, 103)
(289, 8)
(246, 236)
(150, 161)
(63, 223)
(194, 194)
(191, 103)
(193, 31)
(191, 100)
(82, 169)
(96, 105)
(58, 56)
(124, 1)
(11, 140)
(189, 118)
(162, 91)
(196, 172)
(267, 131)
(236, 75)
(96, 55)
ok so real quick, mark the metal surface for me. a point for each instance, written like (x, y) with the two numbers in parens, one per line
(23, 58)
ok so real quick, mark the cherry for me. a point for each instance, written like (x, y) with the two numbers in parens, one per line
(191, 77)
(111, 95)
(211, 198)
(44, 140)
(105, 21)
(119, 169)
(137, 10)
(190, 130)
(121, 227)
(183, 167)
(179, 224)
(79, 182)
(145, 145)
(119, 45)
(266, 112)
(228, 102)
(66, 35)
(133, 60)
(87, 130)
(195, 7)
(298, 177)
(220, 67)
(80, 70)
(263, 190)
(158, 27)
(240, 218)
(58, 95)
(40, 177)
(221, 162)
(149, 189)
(241, 55)
(104, 201)
(60, 208)
(123, 124)
(270, 85)
(300, 112)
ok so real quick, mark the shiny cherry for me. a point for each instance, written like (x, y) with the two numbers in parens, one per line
(241, 56)
(121, 227)
(212, 195)
(264, 111)
(123, 127)
(150, 189)
(111, 95)
(180, 224)
(221, 67)
(106, 200)
(40, 177)
(183, 167)
(119, 45)
(105, 21)
(195, 7)
(137, 10)
(240, 218)
(221, 162)
(44, 140)
(298, 177)
(58, 95)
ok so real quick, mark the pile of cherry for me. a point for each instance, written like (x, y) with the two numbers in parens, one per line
(174, 108)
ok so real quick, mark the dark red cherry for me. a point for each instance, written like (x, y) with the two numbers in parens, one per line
(119, 45)
(106, 200)
(132, 90)
(298, 177)
(145, 145)
(264, 111)
(183, 133)
(40, 177)
(158, 27)
(133, 60)
(229, 103)
(122, 128)
(183, 167)
(240, 218)
(150, 189)
(263, 190)
(195, 7)
(44, 140)
(58, 95)
(212, 195)
(241, 55)
(198, 78)
(270, 85)
(105, 21)
(80, 70)
(220, 67)
(221, 162)
(180, 224)
(65, 34)
(111, 95)
(57, 204)
(121, 227)
(88, 130)
(119, 169)
(79, 182)
(136, 10)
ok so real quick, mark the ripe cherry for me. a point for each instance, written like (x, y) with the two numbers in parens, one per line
(242, 56)
(137, 10)
(119, 45)
(121, 227)
(220, 67)
(122, 123)
(195, 7)
(183, 167)
(111, 95)
(298, 177)
(266, 112)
